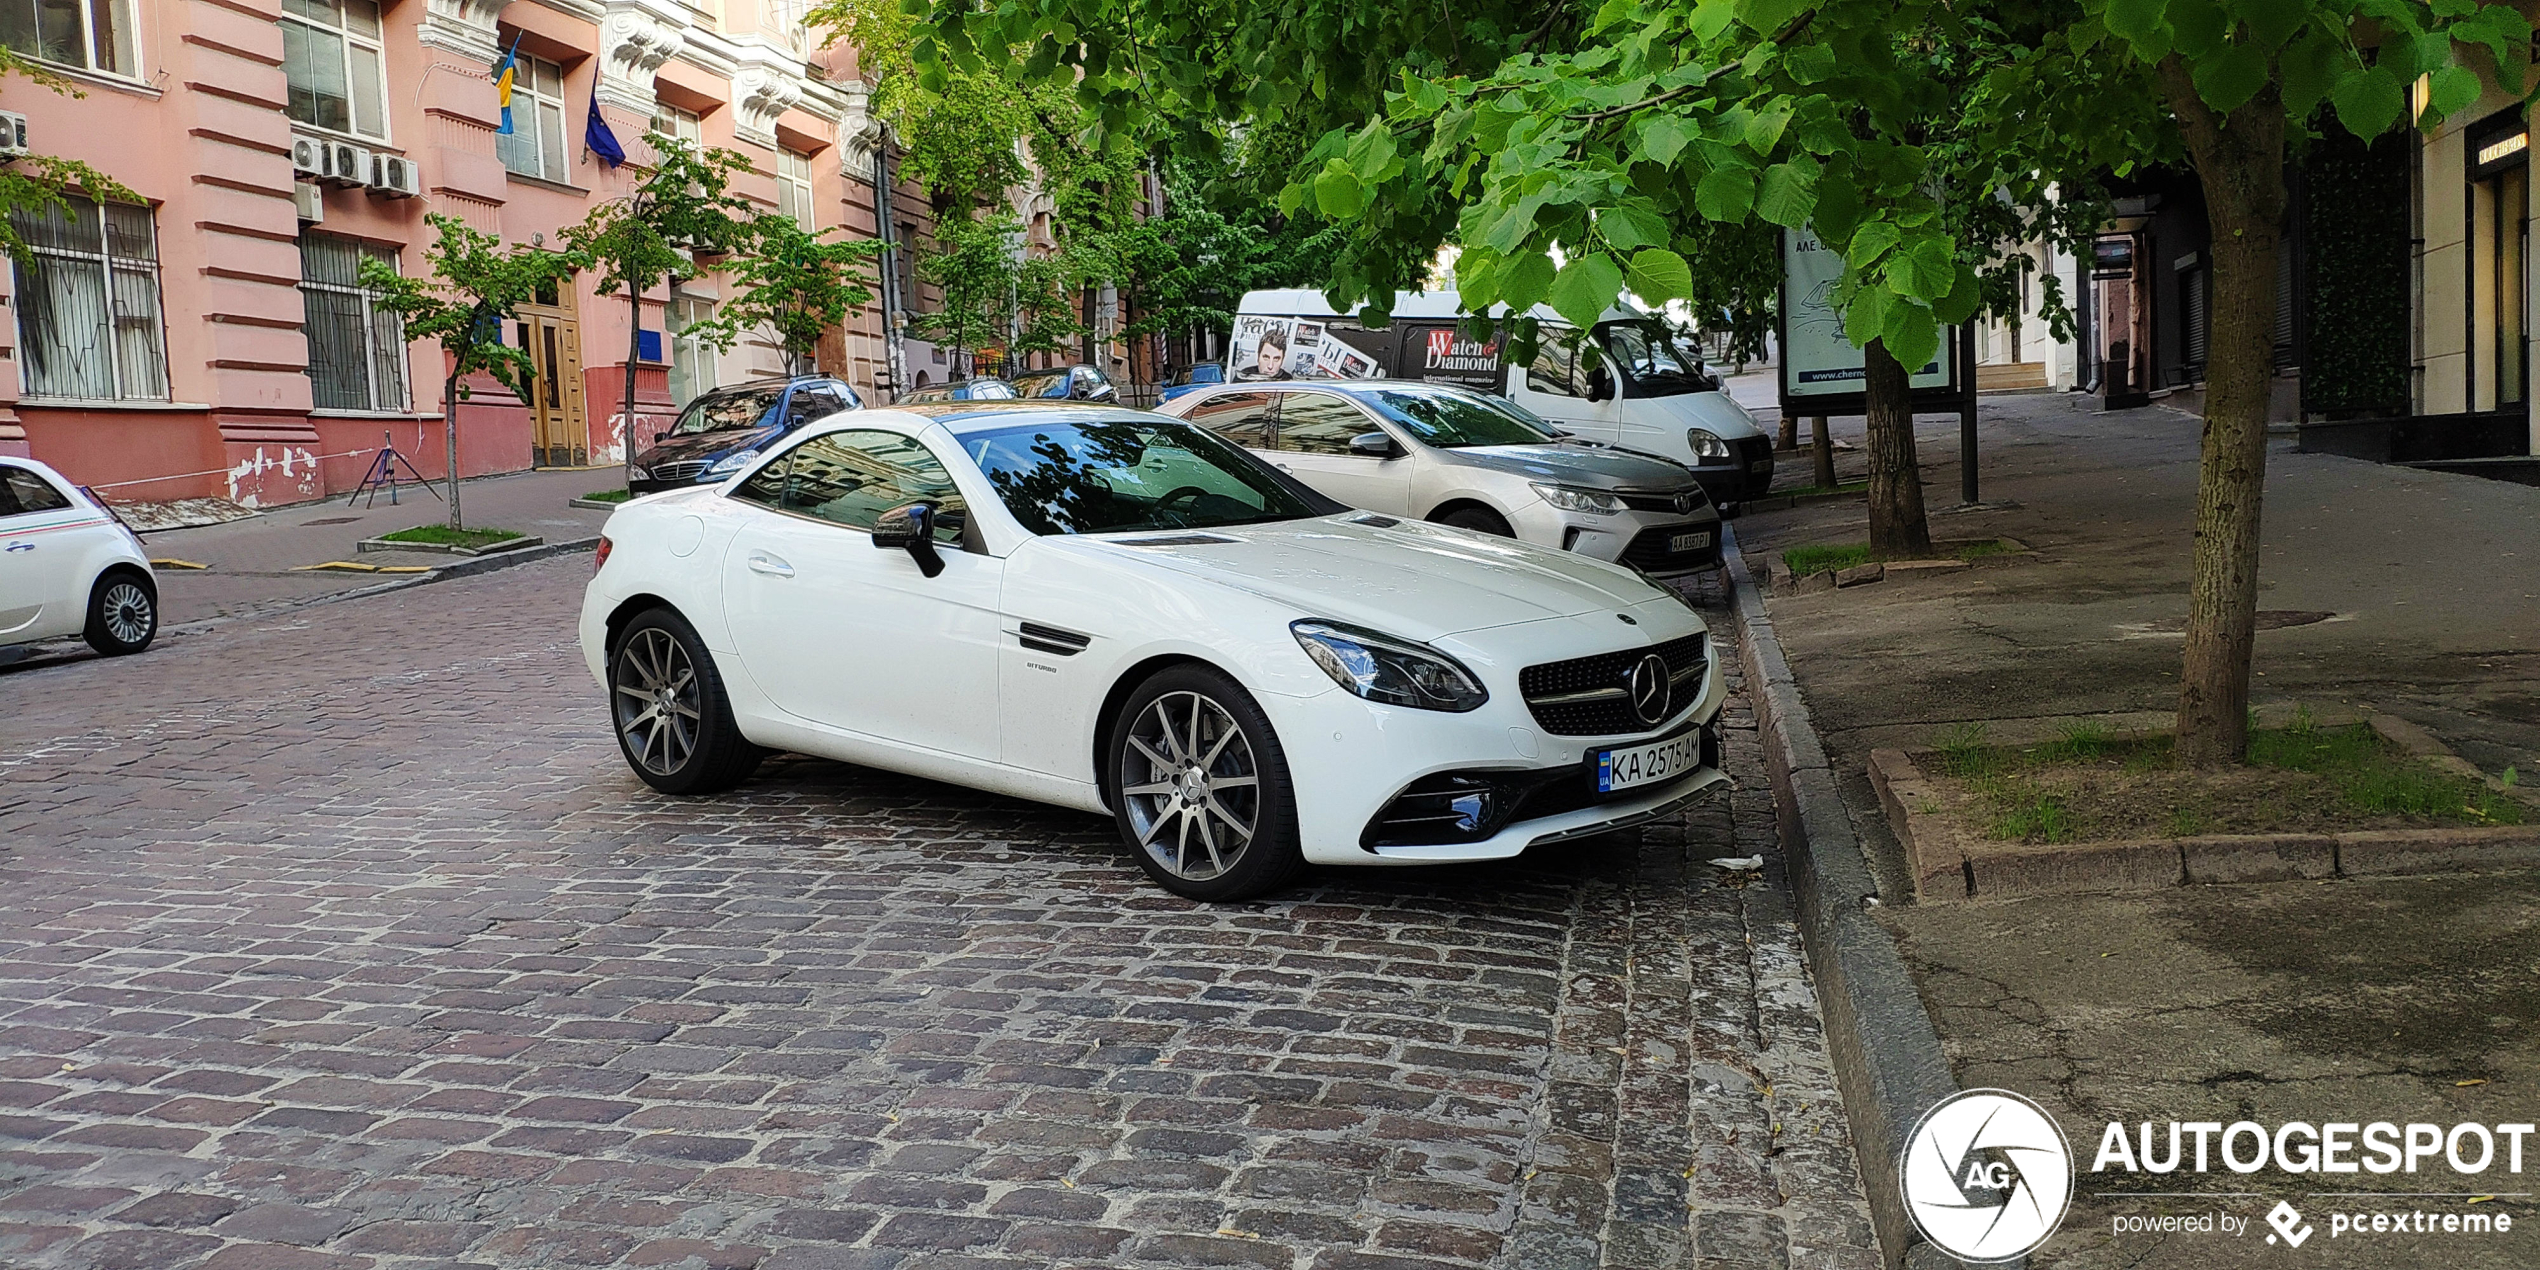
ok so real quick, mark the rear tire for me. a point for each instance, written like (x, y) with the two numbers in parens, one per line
(123, 614)
(672, 717)
(1199, 787)
(1479, 520)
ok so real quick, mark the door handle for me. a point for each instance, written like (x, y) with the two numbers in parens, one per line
(21, 546)
(761, 562)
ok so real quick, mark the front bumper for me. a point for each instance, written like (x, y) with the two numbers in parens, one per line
(1747, 474)
(1352, 760)
(1643, 540)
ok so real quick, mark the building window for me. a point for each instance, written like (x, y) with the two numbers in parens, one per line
(330, 55)
(671, 121)
(357, 351)
(691, 359)
(535, 145)
(93, 35)
(88, 309)
(793, 188)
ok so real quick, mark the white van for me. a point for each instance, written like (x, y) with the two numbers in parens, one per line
(1662, 401)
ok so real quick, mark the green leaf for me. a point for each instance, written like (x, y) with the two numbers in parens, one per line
(1660, 275)
(1924, 271)
(1764, 131)
(1585, 288)
(2142, 23)
(1526, 280)
(1630, 226)
(1965, 296)
(1838, 205)
(1910, 335)
(2231, 76)
(1869, 242)
(1371, 151)
(1767, 17)
(2453, 89)
(1710, 18)
(1867, 315)
(2197, 28)
(1725, 194)
(1665, 137)
(1788, 195)
(2306, 68)
(1337, 193)
(2274, 21)
(2368, 101)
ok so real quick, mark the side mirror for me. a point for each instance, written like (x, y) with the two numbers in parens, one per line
(1374, 445)
(1600, 385)
(911, 529)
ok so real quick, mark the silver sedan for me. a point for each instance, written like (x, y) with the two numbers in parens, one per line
(1465, 458)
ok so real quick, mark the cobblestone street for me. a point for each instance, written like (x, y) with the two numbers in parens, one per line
(344, 938)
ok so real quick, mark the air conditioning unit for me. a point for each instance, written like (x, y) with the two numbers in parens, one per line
(308, 156)
(12, 134)
(309, 201)
(344, 163)
(393, 176)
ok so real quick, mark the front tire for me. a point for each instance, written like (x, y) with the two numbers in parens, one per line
(673, 718)
(1199, 786)
(1479, 520)
(123, 615)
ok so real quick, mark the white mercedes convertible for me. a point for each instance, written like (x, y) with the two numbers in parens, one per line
(1115, 611)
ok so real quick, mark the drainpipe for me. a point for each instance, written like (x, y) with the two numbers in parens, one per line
(894, 358)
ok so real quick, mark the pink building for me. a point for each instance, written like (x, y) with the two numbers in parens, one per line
(214, 341)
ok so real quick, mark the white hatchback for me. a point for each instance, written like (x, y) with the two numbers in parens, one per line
(68, 567)
(1120, 612)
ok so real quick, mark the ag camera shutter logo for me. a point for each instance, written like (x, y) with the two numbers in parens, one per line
(1987, 1175)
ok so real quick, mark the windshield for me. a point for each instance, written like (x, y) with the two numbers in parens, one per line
(987, 390)
(1102, 477)
(1451, 420)
(726, 414)
(1659, 363)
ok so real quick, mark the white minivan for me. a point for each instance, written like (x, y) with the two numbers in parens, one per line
(1648, 392)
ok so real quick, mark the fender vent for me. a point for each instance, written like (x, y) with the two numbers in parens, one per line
(1050, 639)
(1175, 540)
(1374, 521)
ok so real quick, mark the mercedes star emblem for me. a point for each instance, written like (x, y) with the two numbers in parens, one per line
(1650, 689)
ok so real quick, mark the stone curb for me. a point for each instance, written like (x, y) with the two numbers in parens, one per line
(463, 568)
(1946, 871)
(1887, 1055)
(596, 504)
(505, 547)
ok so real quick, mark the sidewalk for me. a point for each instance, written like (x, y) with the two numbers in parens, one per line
(254, 563)
(2401, 999)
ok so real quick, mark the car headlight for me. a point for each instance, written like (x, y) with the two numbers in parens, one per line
(1593, 502)
(634, 473)
(731, 463)
(1396, 672)
(1707, 446)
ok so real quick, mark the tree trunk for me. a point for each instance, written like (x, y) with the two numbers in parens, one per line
(2239, 158)
(450, 438)
(1897, 528)
(1790, 433)
(634, 349)
(1822, 442)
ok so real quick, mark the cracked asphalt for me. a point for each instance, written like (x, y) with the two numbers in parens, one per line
(342, 938)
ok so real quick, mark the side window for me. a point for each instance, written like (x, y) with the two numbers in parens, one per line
(812, 403)
(1551, 370)
(1319, 423)
(1240, 417)
(851, 478)
(28, 492)
(766, 486)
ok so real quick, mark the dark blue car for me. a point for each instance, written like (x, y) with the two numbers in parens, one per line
(1071, 383)
(1194, 379)
(721, 431)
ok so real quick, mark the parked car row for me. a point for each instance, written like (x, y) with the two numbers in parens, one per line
(1236, 632)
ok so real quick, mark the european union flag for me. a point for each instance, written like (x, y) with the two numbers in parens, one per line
(504, 71)
(596, 135)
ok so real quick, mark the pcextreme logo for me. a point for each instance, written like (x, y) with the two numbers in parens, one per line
(1987, 1175)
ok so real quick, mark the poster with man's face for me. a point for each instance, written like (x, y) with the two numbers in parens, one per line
(1260, 348)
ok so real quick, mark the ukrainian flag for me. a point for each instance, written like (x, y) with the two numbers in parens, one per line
(504, 71)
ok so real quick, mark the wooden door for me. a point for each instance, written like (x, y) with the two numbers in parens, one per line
(560, 429)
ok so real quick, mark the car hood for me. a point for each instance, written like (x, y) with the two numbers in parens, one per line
(1404, 578)
(703, 445)
(1592, 464)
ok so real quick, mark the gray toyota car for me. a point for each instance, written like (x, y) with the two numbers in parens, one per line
(1470, 459)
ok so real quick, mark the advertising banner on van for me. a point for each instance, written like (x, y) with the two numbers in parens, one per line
(1446, 355)
(1299, 348)
(1819, 359)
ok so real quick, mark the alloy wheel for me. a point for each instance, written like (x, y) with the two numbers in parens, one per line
(659, 705)
(127, 610)
(1191, 785)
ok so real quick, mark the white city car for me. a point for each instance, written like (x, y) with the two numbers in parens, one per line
(68, 567)
(1119, 612)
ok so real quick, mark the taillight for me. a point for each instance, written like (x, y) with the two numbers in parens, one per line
(600, 558)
